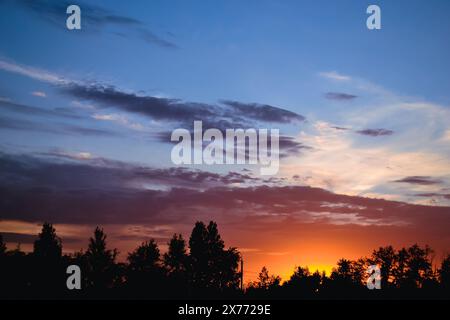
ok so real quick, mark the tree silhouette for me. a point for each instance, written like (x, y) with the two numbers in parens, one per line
(199, 257)
(212, 266)
(47, 254)
(48, 245)
(266, 281)
(419, 265)
(2, 247)
(100, 262)
(176, 263)
(144, 272)
(209, 270)
(145, 257)
(263, 279)
(346, 279)
(413, 267)
(265, 286)
(175, 259)
(400, 270)
(343, 272)
(227, 273)
(444, 272)
(215, 255)
(302, 283)
(3, 269)
(385, 257)
(358, 270)
(15, 276)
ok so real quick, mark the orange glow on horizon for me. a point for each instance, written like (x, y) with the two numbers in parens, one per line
(281, 248)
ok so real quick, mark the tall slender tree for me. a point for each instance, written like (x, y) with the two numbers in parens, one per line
(100, 261)
(48, 245)
(211, 265)
(199, 256)
(175, 259)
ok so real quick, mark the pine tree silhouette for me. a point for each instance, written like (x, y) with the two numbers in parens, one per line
(100, 262)
(48, 245)
(48, 273)
(176, 259)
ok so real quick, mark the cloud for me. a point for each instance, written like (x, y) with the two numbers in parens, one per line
(36, 111)
(55, 128)
(353, 219)
(263, 112)
(375, 132)
(230, 114)
(339, 96)
(150, 37)
(156, 108)
(227, 114)
(333, 75)
(97, 190)
(344, 163)
(18, 237)
(94, 19)
(120, 119)
(422, 180)
(289, 146)
(172, 112)
(39, 94)
(61, 170)
(68, 155)
(340, 128)
(33, 73)
(91, 185)
(433, 194)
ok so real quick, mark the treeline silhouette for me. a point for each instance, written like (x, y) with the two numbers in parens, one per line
(204, 268)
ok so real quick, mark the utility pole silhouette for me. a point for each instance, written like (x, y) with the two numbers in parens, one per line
(242, 274)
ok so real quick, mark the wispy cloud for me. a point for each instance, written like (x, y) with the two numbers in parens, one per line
(263, 112)
(340, 96)
(120, 119)
(39, 94)
(9, 123)
(95, 19)
(333, 75)
(341, 161)
(375, 132)
(34, 73)
(59, 153)
(419, 180)
(14, 107)
(228, 113)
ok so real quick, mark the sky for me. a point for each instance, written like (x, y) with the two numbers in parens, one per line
(364, 117)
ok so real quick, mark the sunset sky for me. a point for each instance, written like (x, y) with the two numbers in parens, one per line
(364, 118)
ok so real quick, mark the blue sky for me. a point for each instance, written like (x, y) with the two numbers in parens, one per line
(287, 54)
(262, 51)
